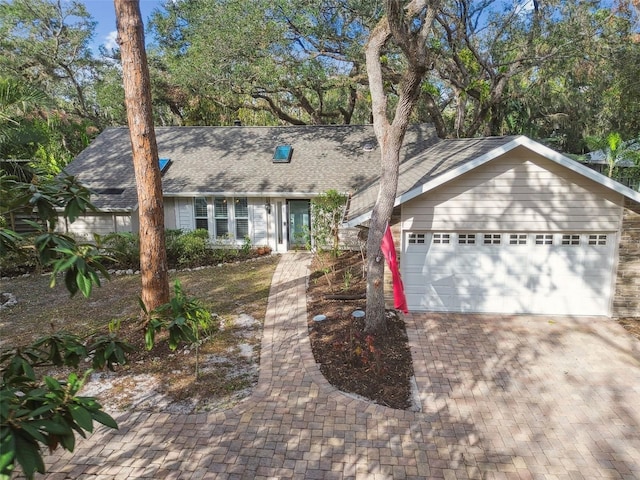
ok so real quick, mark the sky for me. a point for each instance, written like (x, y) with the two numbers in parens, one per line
(104, 13)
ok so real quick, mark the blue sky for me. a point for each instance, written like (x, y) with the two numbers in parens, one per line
(104, 13)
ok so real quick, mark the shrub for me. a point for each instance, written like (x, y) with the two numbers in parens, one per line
(192, 248)
(183, 318)
(124, 247)
(45, 410)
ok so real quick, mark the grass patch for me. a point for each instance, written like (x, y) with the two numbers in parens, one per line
(227, 290)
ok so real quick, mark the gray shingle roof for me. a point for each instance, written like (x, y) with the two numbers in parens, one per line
(238, 160)
(438, 158)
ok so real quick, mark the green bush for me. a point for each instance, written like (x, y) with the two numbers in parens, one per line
(184, 318)
(44, 410)
(193, 249)
(124, 248)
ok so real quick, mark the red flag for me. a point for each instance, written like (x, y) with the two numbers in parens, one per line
(389, 252)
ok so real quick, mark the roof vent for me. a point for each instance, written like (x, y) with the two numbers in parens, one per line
(110, 191)
(282, 154)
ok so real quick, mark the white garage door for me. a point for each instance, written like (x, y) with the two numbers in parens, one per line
(546, 273)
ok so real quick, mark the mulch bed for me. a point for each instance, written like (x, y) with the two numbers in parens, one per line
(378, 368)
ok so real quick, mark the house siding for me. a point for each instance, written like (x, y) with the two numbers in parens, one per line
(184, 219)
(258, 221)
(626, 301)
(520, 192)
(169, 213)
(101, 223)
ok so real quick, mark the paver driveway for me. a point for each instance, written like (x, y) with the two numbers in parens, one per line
(520, 397)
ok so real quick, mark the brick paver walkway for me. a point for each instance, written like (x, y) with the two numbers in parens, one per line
(521, 397)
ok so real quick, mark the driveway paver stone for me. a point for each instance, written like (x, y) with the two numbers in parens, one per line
(522, 397)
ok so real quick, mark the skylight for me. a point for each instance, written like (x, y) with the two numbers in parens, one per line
(282, 154)
(164, 164)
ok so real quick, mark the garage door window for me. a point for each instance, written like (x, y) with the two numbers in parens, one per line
(467, 238)
(492, 238)
(570, 239)
(441, 238)
(518, 239)
(545, 239)
(416, 238)
(597, 239)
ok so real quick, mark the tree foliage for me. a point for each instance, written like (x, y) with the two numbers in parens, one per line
(46, 44)
(283, 61)
(37, 409)
(556, 71)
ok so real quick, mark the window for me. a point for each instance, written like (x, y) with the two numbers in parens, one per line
(201, 216)
(221, 216)
(597, 239)
(569, 239)
(164, 164)
(282, 154)
(441, 238)
(241, 211)
(492, 239)
(416, 238)
(467, 238)
(518, 239)
(544, 239)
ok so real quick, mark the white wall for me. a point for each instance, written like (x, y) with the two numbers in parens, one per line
(520, 192)
(101, 223)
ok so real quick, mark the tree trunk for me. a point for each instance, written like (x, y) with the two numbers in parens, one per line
(135, 74)
(399, 25)
(375, 320)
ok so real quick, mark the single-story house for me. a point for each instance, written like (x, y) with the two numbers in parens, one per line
(498, 224)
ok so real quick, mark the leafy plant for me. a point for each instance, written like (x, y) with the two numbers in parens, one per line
(47, 411)
(123, 247)
(193, 248)
(347, 278)
(327, 210)
(81, 265)
(108, 350)
(246, 246)
(183, 318)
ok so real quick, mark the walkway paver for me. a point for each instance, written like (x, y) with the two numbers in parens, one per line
(502, 397)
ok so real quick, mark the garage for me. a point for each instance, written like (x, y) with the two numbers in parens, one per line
(506, 225)
(569, 273)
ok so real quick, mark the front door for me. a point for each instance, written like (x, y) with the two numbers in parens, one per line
(299, 223)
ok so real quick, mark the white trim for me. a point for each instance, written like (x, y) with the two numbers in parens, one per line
(294, 195)
(497, 152)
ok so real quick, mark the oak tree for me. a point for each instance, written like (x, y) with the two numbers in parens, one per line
(408, 27)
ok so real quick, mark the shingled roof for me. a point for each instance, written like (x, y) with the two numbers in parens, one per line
(445, 160)
(438, 158)
(238, 161)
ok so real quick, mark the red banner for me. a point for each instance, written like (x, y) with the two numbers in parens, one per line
(389, 252)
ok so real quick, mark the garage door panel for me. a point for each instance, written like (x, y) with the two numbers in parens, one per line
(429, 303)
(525, 277)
